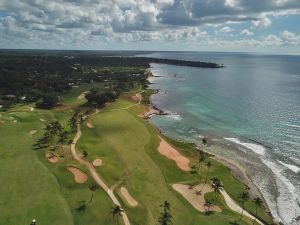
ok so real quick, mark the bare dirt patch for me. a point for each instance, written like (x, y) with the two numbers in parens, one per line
(130, 200)
(79, 176)
(97, 162)
(33, 131)
(51, 157)
(194, 197)
(167, 150)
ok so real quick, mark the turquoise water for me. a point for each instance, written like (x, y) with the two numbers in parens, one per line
(253, 102)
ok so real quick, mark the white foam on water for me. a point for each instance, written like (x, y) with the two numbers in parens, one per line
(293, 168)
(290, 125)
(287, 198)
(258, 149)
(174, 116)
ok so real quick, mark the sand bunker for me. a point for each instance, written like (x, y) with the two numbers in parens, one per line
(83, 94)
(97, 162)
(51, 157)
(33, 131)
(196, 200)
(79, 176)
(43, 120)
(167, 150)
(130, 200)
(90, 124)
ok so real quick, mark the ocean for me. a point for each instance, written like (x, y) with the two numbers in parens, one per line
(250, 110)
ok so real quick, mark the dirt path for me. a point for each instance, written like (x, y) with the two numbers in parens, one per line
(94, 174)
(235, 207)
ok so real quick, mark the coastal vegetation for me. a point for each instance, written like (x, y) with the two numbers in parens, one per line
(42, 78)
(36, 165)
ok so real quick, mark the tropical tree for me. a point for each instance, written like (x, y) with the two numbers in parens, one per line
(84, 154)
(73, 121)
(208, 165)
(165, 217)
(207, 205)
(93, 187)
(244, 196)
(258, 202)
(217, 186)
(63, 135)
(204, 141)
(116, 211)
(201, 160)
(81, 207)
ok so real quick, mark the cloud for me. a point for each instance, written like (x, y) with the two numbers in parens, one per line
(261, 22)
(94, 22)
(226, 30)
(246, 32)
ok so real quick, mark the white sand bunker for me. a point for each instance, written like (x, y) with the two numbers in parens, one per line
(97, 162)
(89, 124)
(79, 176)
(33, 131)
(83, 94)
(194, 197)
(167, 150)
(51, 157)
(130, 200)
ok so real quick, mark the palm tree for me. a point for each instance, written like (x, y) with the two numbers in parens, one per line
(63, 135)
(81, 207)
(201, 160)
(73, 121)
(217, 186)
(204, 141)
(258, 202)
(208, 204)
(244, 196)
(208, 164)
(165, 217)
(84, 154)
(93, 187)
(116, 211)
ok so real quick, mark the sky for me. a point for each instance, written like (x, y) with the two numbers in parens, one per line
(166, 25)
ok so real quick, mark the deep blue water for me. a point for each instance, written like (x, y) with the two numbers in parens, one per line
(254, 99)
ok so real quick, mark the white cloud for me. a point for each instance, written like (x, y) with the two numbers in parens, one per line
(226, 30)
(246, 32)
(262, 22)
(97, 21)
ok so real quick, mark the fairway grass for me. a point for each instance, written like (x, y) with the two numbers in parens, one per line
(127, 146)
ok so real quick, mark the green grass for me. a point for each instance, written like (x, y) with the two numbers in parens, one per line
(127, 144)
